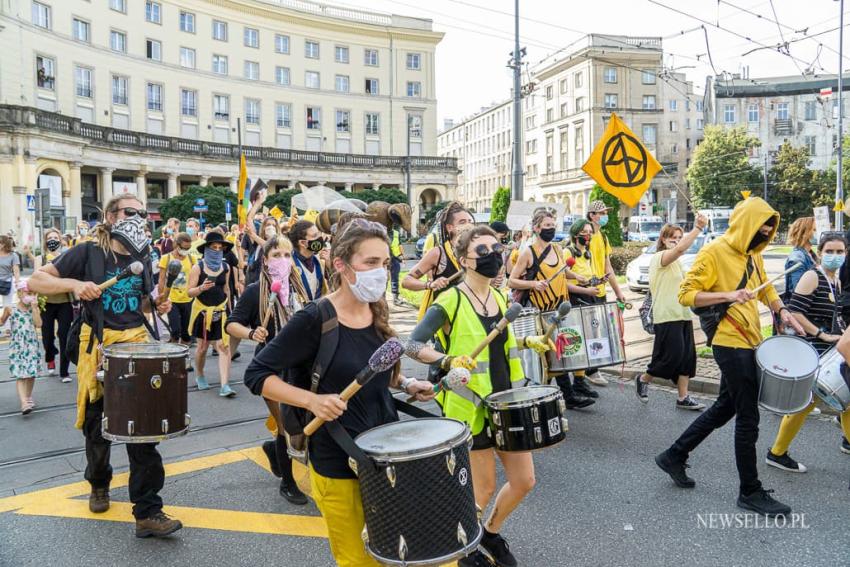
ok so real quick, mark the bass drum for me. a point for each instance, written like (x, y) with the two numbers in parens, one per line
(833, 383)
(527, 325)
(787, 368)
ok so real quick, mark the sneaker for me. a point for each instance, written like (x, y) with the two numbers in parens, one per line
(235, 356)
(201, 382)
(292, 493)
(66, 379)
(641, 388)
(845, 446)
(51, 368)
(784, 462)
(99, 500)
(271, 454)
(190, 368)
(499, 551)
(475, 559)
(581, 388)
(676, 470)
(158, 525)
(689, 404)
(597, 379)
(578, 402)
(762, 502)
(226, 391)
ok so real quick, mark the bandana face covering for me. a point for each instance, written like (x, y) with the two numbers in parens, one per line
(279, 270)
(213, 259)
(130, 232)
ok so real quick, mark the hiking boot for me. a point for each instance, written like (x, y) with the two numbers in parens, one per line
(676, 469)
(784, 462)
(581, 388)
(158, 525)
(292, 493)
(99, 500)
(762, 502)
(499, 551)
(271, 453)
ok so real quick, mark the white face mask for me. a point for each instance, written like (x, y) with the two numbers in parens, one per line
(270, 231)
(370, 285)
(183, 252)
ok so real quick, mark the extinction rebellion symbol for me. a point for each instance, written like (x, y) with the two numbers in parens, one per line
(625, 151)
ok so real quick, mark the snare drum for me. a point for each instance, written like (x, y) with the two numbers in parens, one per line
(418, 500)
(588, 337)
(527, 419)
(145, 392)
(787, 369)
(527, 325)
(833, 383)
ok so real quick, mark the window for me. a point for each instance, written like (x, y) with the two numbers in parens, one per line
(414, 125)
(372, 124)
(531, 146)
(700, 123)
(810, 110)
(414, 61)
(153, 12)
(311, 79)
(41, 15)
(550, 156)
(219, 64)
(550, 115)
(578, 79)
(283, 115)
(83, 82)
(45, 72)
(729, 114)
(154, 91)
(252, 70)
(579, 144)
(650, 133)
(564, 110)
(674, 149)
(219, 30)
(564, 152)
(281, 76)
(811, 144)
(674, 105)
(674, 126)
(529, 122)
(700, 106)
(81, 30)
(610, 75)
(221, 107)
(187, 57)
(341, 54)
(649, 102)
(343, 121)
(118, 5)
(119, 89)
(610, 100)
(370, 57)
(580, 104)
(252, 111)
(342, 84)
(187, 22)
(414, 89)
(154, 50)
(281, 43)
(563, 88)
(118, 41)
(252, 37)
(550, 92)
(311, 49)
(188, 102)
(314, 118)
(782, 111)
(753, 113)
(372, 86)
(687, 123)
(647, 77)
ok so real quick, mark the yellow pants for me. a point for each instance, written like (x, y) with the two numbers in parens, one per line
(791, 425)
(338, 499)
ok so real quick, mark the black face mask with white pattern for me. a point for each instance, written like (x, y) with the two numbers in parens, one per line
(130, 231)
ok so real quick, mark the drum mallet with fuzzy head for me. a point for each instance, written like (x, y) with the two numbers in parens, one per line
(563, 310)
(133, 269)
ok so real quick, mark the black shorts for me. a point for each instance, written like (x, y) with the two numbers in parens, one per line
(482, 440)
(200, 330)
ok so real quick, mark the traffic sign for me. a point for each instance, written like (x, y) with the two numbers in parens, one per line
(200, 206)
(31, 203)
(227, 207)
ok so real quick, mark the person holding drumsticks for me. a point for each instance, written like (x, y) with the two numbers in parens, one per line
(722, 278)
(461, 319)
(814, 303)
(112, 315)
(360, 257)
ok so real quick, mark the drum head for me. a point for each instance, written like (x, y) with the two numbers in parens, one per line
(787, 356)
(145, 350)
(520, 395)
(411, 437)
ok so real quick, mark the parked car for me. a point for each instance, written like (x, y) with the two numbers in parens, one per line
(637, 272)
(420, 245)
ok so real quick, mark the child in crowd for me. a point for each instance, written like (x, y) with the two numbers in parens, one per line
(24, 352)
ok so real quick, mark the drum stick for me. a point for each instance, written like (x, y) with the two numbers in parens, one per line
(274, 290)
(381, 360)
(133, 269)
(563, 310)
(793, 268)
(568, 264)
(510, 315)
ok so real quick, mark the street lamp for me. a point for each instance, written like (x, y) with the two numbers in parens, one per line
(839, 183)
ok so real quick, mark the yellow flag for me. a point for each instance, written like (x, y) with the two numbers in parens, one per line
(276, 213)
(745, 194)
(621, 164)
(839, 206)
(311, 215)
(241, 197)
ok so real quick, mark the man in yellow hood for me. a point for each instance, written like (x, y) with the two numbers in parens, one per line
(722, 277)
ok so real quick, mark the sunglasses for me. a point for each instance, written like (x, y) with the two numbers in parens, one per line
(483, 249)
(132, 211)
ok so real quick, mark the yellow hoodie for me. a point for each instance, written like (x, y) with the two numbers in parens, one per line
(720, 265)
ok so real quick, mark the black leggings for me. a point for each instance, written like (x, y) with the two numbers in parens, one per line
(178, 321)
(63, 314)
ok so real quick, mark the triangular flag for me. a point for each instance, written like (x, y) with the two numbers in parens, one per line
(745, 194)
(621, 164)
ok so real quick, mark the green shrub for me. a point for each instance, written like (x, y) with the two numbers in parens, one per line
(622, 255)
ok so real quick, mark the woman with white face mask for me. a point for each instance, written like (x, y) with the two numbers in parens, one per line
(360, 257)
(181, 303)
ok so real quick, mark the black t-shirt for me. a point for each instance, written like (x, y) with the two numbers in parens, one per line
(216, 294)
(295, 347)
(247, 312)
(500, 373)
(122, 303)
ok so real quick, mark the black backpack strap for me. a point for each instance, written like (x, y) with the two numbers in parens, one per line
(327, 344)
(410, 409)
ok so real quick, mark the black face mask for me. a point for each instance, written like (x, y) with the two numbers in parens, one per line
(547, 234)
(316, 246)
(489, 265)
(54, 245)
(757, 240)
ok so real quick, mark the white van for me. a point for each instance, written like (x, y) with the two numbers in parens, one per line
(644, 228)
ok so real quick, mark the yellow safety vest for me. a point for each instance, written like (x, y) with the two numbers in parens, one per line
(395, 245)
(466, 404)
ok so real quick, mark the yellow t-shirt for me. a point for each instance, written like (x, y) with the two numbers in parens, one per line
(178, 292)
(600, 249)
(582, 266)
(664, 282)
(194, 249)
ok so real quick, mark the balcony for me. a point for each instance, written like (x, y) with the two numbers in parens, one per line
(22, 118)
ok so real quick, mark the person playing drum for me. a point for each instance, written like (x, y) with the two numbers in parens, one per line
(724, 274)
(814, 304)
(113, 315)
(461, 319)
(360, 257)
(259, 317)
(531, 273)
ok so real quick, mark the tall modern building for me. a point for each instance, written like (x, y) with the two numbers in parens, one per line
(100, 96)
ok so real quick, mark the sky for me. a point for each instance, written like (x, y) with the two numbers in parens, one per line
(472, 57)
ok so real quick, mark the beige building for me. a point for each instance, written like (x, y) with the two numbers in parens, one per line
(113, 95)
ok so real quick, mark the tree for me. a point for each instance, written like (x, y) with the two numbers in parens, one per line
(501, 202)
(612, 229)
(793, 188)
(431, 213)
(182, 206)
(721, 168)
(282, 200)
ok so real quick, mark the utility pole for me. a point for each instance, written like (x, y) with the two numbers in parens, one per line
(766, 157)
(839, 183)
(516, 63)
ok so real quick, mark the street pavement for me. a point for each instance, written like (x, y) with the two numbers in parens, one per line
(599, 499)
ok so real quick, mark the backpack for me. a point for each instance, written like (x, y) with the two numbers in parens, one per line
(645, 313)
